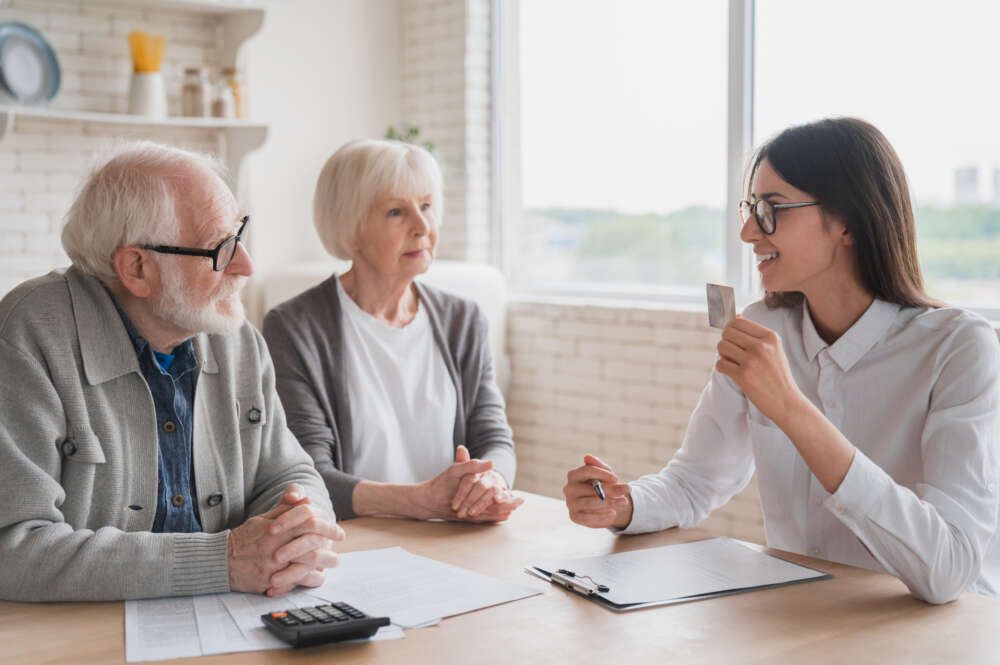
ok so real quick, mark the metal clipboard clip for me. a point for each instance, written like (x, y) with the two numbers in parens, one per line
(583, 584)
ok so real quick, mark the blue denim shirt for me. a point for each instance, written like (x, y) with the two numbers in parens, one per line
(171, 382)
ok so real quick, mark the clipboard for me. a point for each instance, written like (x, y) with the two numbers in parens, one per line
(674, 574)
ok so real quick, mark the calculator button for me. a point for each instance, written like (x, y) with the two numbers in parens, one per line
(278, 615)
(302, 616)
(319, 616)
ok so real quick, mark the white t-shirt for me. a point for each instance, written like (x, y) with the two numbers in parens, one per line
(403, 400)
(916, 391)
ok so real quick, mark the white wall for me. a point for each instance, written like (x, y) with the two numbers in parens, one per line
(446, 87)
(616, 381)
(321, 73)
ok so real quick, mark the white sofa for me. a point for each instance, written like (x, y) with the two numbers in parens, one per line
(476, 281)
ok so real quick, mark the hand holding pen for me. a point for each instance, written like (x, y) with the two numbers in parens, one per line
(594, 496)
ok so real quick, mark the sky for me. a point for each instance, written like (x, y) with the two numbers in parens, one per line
(624, 102)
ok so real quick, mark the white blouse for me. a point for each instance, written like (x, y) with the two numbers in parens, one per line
(403, 401)
(917, 391)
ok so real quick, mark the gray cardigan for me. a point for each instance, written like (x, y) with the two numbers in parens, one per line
(78, 451)
(305, 338)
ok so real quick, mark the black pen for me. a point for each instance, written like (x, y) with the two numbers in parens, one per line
(596, 484)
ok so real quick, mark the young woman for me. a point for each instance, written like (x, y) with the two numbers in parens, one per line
(870, 411)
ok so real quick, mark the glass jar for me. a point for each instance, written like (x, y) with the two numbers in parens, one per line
(223, 102)
(234, 78)
(196, 93)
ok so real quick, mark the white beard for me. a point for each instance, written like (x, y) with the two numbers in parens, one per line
(176, 307)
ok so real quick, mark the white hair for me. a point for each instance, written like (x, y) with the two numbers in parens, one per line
(358, 175)
(177, 304)
(130, 198)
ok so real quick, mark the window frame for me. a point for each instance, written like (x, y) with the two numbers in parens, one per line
(506, 191)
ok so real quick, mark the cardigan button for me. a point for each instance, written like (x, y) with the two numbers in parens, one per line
(214, 500)
(254, 415)
(68, 448)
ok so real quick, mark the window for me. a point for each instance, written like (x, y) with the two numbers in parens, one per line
(618, 155)
(623, 145)
(924, 74)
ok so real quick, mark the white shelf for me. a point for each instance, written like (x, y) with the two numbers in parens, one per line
(12, 111)
(216, 7)
(241, 136)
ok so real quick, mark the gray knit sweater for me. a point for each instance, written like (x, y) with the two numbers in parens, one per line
(306, 341)
(78, 451)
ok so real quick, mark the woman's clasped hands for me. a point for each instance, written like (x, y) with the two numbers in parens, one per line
(469, 490)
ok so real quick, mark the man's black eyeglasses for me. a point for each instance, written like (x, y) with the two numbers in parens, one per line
(764, 212)
(221, 256)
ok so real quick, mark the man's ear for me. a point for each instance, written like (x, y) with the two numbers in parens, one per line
(136, 270)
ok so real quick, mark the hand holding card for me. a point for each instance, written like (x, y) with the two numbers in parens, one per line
(721, 305)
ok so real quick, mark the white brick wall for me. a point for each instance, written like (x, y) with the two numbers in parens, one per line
(613, 381)
(446, 91)
(43, 161)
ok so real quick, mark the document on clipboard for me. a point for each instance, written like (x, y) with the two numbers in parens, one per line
(673, 574)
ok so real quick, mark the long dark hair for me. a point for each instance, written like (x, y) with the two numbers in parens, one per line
(851, 169)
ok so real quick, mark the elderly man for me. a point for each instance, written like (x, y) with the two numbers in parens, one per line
(143, 450)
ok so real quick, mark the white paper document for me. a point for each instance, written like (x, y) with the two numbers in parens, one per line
(160, 628)
(413, 590)
(673, 573)
(163, 628)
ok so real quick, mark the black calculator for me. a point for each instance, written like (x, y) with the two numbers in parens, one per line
(332, 622)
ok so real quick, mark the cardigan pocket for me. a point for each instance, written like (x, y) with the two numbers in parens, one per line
(82, 476)
(82, 446)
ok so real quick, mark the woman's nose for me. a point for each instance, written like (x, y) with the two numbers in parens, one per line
(422, 222)
(750, 231)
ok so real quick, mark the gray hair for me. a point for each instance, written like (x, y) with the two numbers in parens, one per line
(358, 175)
(130, 198)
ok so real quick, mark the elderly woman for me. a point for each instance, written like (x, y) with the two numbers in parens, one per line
(386, 382)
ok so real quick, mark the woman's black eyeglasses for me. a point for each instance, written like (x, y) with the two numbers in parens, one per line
(221, 256)
(764, 212)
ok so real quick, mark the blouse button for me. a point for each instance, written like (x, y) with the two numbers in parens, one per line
(169, 426)
(178, 500)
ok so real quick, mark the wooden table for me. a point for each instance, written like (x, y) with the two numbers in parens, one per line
(857, 617)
